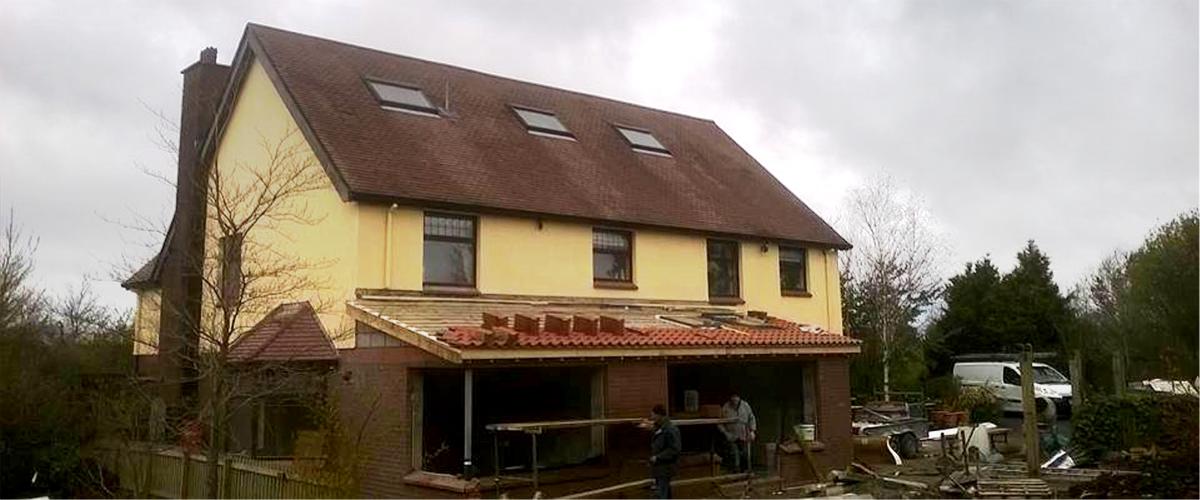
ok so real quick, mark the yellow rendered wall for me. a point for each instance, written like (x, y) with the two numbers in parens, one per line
(760, 286)
(146, 320)
(516, 256)
(324, 248)
(380, 247)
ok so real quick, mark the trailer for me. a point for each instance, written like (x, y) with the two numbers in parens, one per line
(896, 420)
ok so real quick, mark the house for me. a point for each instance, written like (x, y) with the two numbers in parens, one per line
(488, 250)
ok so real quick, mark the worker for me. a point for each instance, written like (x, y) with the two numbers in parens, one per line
(664, 451)
(739, 433)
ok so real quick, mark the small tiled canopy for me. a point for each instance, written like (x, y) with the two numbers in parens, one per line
(290, 332)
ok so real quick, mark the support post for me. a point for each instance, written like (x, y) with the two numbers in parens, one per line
(1076, 379)
(534, 461)
(496, 461)
(1029, 405)
(1119, 374)
(468, 390)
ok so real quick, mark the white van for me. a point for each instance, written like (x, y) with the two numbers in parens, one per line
(1004, 377)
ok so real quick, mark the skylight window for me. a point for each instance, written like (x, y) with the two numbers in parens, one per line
(643, 141)
(543, 123)
(401, 98)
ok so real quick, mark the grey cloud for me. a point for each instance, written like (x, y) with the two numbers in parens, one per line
(1074, 123)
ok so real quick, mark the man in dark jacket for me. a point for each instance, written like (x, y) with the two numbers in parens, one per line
(664, 451)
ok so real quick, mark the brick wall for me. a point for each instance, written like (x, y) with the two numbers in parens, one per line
(632, 389)
(373, 394)
(833, 411)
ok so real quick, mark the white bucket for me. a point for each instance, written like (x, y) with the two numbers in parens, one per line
(806, 432)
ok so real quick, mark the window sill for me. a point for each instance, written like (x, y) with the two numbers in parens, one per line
(449, 290)
(794, 293)
(614, 285)
(726, 301)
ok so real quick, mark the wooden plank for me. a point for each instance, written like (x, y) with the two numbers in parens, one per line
(641, 483)
(571, 424)
(393, 328)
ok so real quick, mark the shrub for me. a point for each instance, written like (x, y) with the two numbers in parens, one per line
(1165, 423)
(980, 403)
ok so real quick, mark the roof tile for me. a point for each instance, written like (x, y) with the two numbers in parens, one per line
(290, 332)
(479, 154)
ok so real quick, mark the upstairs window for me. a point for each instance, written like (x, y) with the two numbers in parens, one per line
(402, 98)
(612, 256)
(231, 270)
(543, 123)
(643, 141)
(723, 279)
(449, 250)
(793, 270)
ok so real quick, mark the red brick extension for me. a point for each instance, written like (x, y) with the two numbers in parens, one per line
(382, 375)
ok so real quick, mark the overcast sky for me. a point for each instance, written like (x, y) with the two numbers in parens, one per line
(1070, 123)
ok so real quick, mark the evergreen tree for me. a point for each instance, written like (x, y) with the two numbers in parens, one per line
(986, 312)
(970, 318)
(1032, 309)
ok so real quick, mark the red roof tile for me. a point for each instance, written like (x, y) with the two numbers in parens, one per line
(290, 332)
(479, 154)
(780, 333)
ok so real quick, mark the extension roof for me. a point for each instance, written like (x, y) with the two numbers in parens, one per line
(481, 329)
(477, 154)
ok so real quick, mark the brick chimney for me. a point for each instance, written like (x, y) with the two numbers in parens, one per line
(203, 85)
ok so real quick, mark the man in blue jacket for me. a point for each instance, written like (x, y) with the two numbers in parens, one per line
(664, 451)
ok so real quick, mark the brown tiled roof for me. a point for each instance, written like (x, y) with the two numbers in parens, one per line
(290, 332)
(459, 324)
(145, 276)
(150, 274)
(478, 153)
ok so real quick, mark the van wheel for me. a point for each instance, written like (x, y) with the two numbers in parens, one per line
(906, 445)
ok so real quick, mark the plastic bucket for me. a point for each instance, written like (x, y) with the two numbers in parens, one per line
(806, 432)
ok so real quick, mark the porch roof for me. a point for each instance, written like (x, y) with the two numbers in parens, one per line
(509, 329)
(290, 332)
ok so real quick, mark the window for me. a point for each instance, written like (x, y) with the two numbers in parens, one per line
(793, 270)
(722, 268)
(449, 250)
(543, 123)
(231, 270)
(278, 425)
(643, 141)
(1048, 375)
(612, 255)
(402, 98)
(1011, 377)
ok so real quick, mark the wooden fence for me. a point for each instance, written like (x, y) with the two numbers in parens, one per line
(165, 472)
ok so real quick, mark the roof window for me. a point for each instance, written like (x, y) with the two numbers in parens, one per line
(402, 98)
(543, 123)
(643, 141)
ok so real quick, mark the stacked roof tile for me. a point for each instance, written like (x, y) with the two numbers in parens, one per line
(494, 324)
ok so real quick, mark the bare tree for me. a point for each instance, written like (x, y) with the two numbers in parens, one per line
(894, 264)
(249, 208)
(19, 302)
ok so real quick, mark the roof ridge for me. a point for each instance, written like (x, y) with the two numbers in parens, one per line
(282, 324)
(478, 72)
